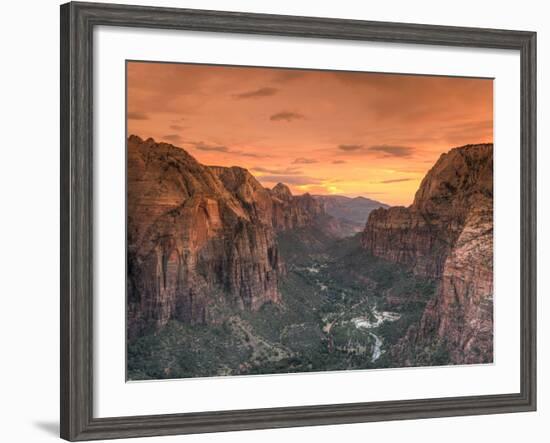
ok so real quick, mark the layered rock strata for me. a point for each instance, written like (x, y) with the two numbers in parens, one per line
(447, 235)
(199, 234)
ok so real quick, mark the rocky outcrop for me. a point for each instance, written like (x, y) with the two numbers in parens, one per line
(250, 193)
(446, 234)
(201, 236)
(291, 212)
(422, 235)
(462, 312)
(196, 236)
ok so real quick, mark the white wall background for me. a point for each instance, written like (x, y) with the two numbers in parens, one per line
(29, 188)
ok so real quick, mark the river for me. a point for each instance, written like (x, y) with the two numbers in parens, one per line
(377, 348)
(366, 323)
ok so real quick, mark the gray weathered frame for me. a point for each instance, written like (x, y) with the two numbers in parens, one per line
(77, 23)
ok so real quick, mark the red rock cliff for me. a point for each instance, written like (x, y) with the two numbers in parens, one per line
(198, 235)
(193, 238)
(446, 234)
(290, 212)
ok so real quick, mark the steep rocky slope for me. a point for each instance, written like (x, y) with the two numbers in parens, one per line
(200, 236)
(290, 212)
(446, 234)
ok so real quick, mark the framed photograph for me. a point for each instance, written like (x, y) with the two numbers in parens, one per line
(273, 221)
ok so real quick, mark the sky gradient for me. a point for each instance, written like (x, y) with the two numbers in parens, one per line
(323, 132)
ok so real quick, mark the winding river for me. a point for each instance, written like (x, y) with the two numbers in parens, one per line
(377, 348)
(365, 323)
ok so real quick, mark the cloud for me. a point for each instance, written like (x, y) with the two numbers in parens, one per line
(137, 116)
(384, 150)
(338, 162)
(172, 138)
(207, 147)
(396, 180)
(291, 179)
(350, 148)
(392, 151)
(177, 127)
(251, 154)
(257, 93)
(285, 171)
(304, 161)
(286, 116)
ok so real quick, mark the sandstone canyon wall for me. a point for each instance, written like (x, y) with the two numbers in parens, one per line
(200, 236)
(447, 235)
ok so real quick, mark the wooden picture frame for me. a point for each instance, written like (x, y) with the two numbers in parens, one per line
(77, 23)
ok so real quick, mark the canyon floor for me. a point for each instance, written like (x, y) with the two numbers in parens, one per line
(341, 309)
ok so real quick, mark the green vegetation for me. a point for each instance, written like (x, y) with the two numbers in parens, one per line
(341, 309)
(181, 350)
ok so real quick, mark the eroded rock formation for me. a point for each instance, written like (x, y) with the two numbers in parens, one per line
(201, 236)
(446, 234)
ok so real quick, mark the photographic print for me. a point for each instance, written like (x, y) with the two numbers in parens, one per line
(290, 220)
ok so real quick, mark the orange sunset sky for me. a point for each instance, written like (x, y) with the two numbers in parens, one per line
(323, 132)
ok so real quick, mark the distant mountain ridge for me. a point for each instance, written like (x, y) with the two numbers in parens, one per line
(351, 210)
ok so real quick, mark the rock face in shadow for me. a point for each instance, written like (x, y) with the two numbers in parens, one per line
(291, 212)
(200, 236)
(447, 235)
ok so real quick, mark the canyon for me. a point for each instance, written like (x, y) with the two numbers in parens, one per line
(447, 235)
(200, 235)
(244, 279)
